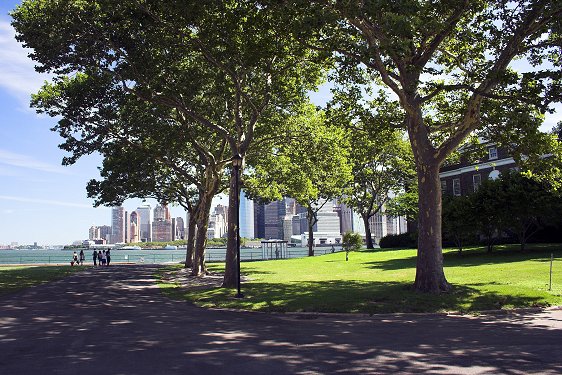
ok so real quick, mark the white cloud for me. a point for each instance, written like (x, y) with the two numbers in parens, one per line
(46, 201)
(17, 74)
(24, 161)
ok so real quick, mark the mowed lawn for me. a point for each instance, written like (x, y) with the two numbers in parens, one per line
(15, 278)
(380, 281)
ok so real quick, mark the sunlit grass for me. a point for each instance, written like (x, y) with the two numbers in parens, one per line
(15, 278)
(380, 281)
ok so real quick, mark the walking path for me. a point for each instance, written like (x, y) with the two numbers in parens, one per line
(115, 321)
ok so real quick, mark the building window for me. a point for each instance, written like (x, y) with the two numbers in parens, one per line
(492, 153)
(476, 181)
(457, 186)
(443, 186)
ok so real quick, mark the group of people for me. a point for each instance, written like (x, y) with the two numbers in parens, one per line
(102, 258)
(76, 260)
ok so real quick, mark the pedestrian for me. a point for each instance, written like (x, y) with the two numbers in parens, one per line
(99, 257)
(95, 258)
(103, 259)
(74, 259)
(82, 257)
(108, 256)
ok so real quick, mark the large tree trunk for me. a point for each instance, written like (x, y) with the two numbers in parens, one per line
(231, 269)
(311, 221)
(430, 277)
(202, 221)
(190, 240)
(368, 235)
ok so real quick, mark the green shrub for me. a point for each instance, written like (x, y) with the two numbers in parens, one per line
(404, 240)
(351, 241)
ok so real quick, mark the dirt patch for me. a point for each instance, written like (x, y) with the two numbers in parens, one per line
(183, 278)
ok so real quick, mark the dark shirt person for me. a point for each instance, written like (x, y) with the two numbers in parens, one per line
(108, 256)
(95, 257)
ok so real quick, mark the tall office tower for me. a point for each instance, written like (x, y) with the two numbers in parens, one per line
(259, 220)
(328, 219)
(271, 215)
(162, 224)
(134, 227)
(145, 215)
(160, 212)
(180, 229)
(246, 216)
(105, 232)
(94, 233)
(222, 210)
(117, 225)
(127, 226)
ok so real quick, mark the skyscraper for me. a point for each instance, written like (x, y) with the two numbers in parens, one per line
(117, 224)
(134, 227)
(145, 215)
(246, 215)
(162, 224)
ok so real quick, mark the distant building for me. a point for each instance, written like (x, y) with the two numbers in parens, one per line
(145, 220)
(179, 229)
(246, 216)
(464, 177)
(93, 233)
(162, 224)
(134, 227)
(217, 223)
(259, 220)
(117, 225)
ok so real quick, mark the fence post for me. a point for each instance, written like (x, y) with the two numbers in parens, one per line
(550, 281)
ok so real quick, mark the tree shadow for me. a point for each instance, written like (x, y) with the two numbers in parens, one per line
(115, 320)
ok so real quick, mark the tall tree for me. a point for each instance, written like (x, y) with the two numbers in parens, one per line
(309, 165)
(219, 65)
(381, 159)
(443, 60)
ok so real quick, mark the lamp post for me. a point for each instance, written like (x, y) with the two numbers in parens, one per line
(236, 164)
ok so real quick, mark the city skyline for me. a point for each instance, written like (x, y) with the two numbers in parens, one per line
(40, 200)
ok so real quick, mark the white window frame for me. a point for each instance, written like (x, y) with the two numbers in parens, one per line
(443, 186)
(457, 187)
(492, 153)
(476, 181)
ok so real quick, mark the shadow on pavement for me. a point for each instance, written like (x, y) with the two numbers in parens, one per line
(116, 321)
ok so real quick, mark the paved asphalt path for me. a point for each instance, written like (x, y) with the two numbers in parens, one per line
(116, 321)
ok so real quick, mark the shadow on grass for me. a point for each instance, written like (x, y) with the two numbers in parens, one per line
(19, 278)
(356, 296)
(477, 256)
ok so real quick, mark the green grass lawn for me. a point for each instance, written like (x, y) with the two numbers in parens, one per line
(380, 282)
(14, 278)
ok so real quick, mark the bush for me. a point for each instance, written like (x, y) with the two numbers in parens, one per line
(351, 241)
(404, 240)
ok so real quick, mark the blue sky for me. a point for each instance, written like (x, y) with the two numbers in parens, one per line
(41, 201)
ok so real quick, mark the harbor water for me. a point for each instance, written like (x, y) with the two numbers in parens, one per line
(149, 256)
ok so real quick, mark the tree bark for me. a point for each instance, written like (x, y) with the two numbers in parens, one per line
(430, 277)
(202, 222)
(231, 271)
(311, 221)
(368, 235)
(190, 240)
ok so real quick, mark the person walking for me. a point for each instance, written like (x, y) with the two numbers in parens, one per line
(108, 256)
(103, 259)
(82, 257)
(95, 258)
(99, 257)
(74, 259)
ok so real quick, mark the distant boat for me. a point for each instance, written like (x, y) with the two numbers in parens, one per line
(170, 247)
(130, 248)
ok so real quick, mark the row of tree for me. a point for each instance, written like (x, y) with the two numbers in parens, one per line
(169, 92)
(512, 205)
